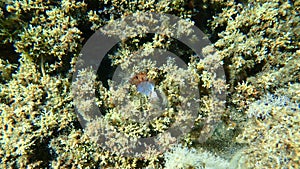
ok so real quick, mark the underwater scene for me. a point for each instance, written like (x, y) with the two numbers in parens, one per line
(150, 84)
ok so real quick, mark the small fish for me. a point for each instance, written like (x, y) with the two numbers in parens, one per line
(143, 84)
(138, 78)
(146, 86)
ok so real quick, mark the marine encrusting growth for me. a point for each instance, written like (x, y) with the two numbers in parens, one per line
(256, 42)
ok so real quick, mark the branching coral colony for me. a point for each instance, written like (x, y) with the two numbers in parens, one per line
(257, 42)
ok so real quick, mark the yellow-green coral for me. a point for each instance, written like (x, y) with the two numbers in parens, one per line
(273, 134)
(257, 43)
(260, 47)
(33, 109)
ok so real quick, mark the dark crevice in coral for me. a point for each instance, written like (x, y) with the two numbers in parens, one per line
(84, 27)
(77, 125)
(256, 69)
(201, 19)
(182, 51)
(94, 4)
(8, 53)
(245, 29)
(214, 37)
(203, 14)
(106, 70)
(41, 152)
(66, 66)
(227, 63)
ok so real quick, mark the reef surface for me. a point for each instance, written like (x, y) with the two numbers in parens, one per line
(255, 125)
